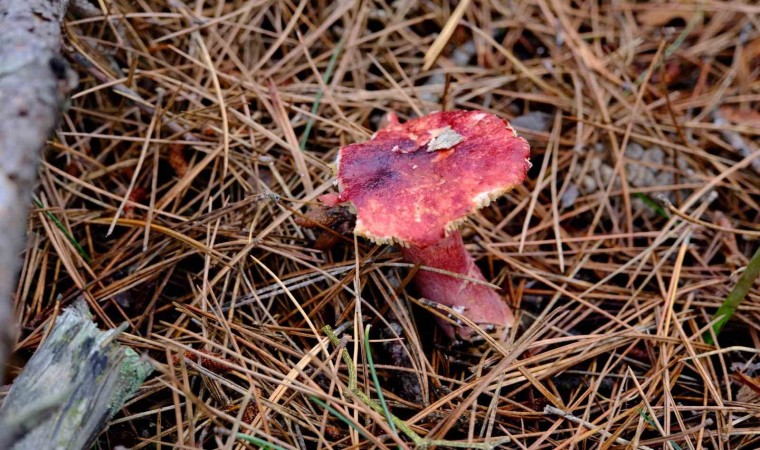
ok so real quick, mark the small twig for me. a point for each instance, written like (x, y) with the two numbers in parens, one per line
(673, 210)
(460, 319)
(548, 409)
(274, 289)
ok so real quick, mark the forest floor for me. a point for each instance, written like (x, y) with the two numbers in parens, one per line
(173, 195)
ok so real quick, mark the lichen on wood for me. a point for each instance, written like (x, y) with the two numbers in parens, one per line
(87, 376)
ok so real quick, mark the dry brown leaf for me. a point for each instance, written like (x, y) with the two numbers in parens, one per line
(177, 159)
(749, 118)
(658, 17)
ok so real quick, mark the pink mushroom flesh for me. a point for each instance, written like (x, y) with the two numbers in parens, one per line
(413, 183)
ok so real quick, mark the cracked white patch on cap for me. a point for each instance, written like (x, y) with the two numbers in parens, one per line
(509, 126)
(485, 198)
(444, 139)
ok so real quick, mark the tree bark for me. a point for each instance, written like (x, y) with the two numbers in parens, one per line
(75, 382)
(34, 83)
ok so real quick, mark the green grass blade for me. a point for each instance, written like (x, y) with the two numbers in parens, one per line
(656, 207)
(262, 443)
(318, 97)
(379, 390)
(63, 229)
(340, 416)
(729, 305)
(650, 421)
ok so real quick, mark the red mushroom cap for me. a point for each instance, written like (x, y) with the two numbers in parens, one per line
(413, 182)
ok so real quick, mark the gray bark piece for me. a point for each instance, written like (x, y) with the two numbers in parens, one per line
(83, 9)
(75, 382)
(34, 82)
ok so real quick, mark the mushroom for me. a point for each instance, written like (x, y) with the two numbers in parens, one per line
(414, 183)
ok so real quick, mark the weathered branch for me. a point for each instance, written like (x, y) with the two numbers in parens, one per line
(34, 83)
(77, 380)
(79, 377)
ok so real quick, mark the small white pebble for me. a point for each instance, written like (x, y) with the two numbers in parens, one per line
(655, 155)
(634, 151)
(570, 196)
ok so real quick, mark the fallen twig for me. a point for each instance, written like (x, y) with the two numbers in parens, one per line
(34, 82)
(548, 409)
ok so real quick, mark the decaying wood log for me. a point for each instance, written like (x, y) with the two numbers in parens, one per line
(34, 83)
(76, 380)
(79, 377)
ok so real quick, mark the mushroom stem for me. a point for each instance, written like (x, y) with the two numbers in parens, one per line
(479, 303)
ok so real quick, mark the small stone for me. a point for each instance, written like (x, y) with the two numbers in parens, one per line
(634, 151)
(534, 120)
(569, 196)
